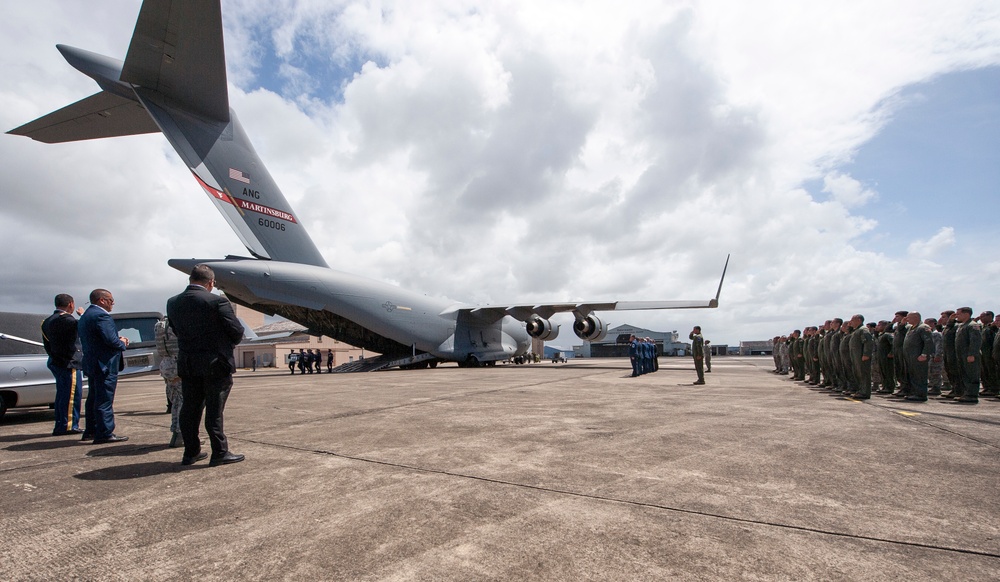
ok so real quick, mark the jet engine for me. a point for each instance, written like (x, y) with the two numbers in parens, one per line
(589, 328)
(541, 328)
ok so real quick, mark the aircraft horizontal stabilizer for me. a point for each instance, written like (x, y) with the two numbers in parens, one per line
(97, 116)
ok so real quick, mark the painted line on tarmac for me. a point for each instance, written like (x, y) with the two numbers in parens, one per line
(644, 504)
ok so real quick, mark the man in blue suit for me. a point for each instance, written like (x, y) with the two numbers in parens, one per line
(102, 358)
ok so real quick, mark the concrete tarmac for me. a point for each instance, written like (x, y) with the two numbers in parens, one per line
(539, 472)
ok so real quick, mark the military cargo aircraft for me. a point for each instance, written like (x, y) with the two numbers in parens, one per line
(173, 80)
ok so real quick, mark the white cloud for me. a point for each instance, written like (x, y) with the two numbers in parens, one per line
(846, 190)
(511, 151)
(926, 249)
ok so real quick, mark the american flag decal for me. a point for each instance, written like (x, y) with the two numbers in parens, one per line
(239, 175)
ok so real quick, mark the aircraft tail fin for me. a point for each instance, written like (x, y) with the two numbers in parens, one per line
(177, 50)
(173, 80)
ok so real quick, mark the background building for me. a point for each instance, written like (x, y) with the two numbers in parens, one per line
(615, 344)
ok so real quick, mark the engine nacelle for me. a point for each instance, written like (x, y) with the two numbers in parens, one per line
(541, 328)
(589, 328)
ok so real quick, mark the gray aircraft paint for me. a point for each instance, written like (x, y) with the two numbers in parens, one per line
(173, 80)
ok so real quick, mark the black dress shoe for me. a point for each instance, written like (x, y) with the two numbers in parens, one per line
(225, 459)
(915, 399)
(860, 397)
(966, 400)
(111, 439)
(66, 432)
(87, 436)
(194, 459)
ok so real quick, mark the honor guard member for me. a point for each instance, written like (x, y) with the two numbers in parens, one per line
(63, 347)
(968, 341)
(633, 354)
(301, 363)
(698, 352)
(987, 374)
(935, 371)
(329, 361)
(949, 327)
(861, 345)
(291, 361)
(918, 345)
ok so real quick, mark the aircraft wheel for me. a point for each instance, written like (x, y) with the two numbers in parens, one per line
(433, 364)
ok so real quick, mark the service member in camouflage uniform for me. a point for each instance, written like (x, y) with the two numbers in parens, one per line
(996, 349)
(698, 351)
(884, 357)
(876, 368)
(846, 363)
(918, 345)
(166, 347)
(988, 374)
(836, 337)
(823, 352)
(949, 326)
(898, 357)
(935, 370)
(968, 341)
(860, 345)
(783, 355)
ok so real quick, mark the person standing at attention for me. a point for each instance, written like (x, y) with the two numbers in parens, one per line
(698, 351)
(63, 347)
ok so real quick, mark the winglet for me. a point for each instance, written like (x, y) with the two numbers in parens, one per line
(715, 302)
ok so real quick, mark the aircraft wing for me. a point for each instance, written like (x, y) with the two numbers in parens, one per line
(525, 311)
(101, 115)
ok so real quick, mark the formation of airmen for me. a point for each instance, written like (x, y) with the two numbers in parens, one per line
(909, 357)
(642, 354)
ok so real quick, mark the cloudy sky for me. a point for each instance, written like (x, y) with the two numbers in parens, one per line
(846, 153)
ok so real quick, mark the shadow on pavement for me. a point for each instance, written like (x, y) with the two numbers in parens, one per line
(136, 471)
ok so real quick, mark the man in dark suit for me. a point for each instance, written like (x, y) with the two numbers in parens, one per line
(102, 358)
(63, 347)
(207, 331)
